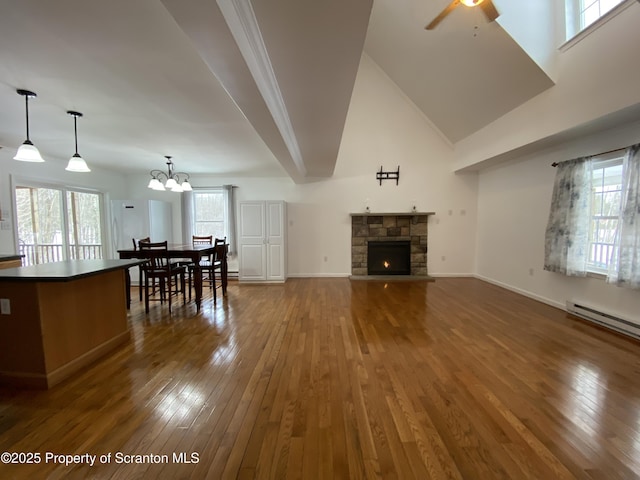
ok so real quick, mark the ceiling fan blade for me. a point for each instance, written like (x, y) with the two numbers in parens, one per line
(489, 10)
(434, 23)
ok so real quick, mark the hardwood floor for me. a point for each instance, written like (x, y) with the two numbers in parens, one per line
(327, 378)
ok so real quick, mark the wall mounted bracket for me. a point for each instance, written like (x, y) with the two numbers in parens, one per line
(388, 175)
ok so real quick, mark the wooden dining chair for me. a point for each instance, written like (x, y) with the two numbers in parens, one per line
(135, 247)
(222, 248)
(208, 264)
(160, 270)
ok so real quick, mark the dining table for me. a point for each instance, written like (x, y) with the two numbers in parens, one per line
(191, 253)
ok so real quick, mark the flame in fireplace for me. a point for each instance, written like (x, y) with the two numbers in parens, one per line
(386, 264)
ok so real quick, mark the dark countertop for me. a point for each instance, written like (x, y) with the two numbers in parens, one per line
(64, 271)
(4, 257)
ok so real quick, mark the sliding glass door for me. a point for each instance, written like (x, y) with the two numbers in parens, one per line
(56, 224)
(84, 220)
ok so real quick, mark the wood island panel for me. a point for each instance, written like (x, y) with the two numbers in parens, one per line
(10, 263)
(55, 328)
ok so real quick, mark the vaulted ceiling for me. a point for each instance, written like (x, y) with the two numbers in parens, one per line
(235, 87)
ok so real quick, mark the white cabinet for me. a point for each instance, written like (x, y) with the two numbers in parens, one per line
(262, 237)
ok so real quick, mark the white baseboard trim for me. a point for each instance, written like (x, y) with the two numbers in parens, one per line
(525, 293)
(452, 275)
(319, 275)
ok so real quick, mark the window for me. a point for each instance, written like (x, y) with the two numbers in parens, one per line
(210, 213)
(580, 14)
(592, 10)
(594, 219)
(606, 192)
(56, 224)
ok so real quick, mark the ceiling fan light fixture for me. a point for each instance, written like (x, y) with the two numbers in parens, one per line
(488, 9)
(27, 152)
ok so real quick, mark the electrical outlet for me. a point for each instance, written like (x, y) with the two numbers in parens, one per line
(5, 306)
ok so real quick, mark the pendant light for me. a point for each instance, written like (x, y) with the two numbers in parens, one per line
(76, 162)
(27, 151)
(174, 181)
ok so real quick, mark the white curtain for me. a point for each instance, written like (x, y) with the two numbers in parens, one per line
(624, 267)
(230, 207)
(187, 218)
(567, 234)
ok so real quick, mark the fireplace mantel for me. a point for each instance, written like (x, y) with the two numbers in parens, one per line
(389, 214)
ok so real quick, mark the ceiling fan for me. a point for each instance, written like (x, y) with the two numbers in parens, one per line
(487, 7)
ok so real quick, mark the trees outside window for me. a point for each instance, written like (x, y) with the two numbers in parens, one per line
(56, 224)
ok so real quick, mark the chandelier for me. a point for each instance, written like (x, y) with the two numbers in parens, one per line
(174, 181)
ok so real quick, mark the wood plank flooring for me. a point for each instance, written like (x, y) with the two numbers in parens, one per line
(333, 379)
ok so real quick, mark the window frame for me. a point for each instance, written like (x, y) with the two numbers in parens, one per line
(611, 159)
(225, 219)
(574, 33)
(64, 188)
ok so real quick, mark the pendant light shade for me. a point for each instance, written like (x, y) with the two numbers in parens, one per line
(28, 151)
(76, 162)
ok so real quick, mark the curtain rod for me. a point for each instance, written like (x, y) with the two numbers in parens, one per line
(555, 164)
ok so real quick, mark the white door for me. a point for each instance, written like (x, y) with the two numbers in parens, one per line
(275, 241)
(252, 240)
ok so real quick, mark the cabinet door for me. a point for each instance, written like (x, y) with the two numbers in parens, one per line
(275, 241)
(251, 236)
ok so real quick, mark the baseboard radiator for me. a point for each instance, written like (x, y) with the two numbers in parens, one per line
(605, 319)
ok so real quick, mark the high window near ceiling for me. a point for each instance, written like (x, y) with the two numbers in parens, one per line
(581, 14)
(55, 224)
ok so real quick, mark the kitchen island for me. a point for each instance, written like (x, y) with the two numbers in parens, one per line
(56, 318)
(9, 260)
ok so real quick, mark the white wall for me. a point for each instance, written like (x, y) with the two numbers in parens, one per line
(595, 77)
(513, 209)
(384, 129)
(52, 171)
(535, 26)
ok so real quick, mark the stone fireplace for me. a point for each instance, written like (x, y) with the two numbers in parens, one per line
(389, 228)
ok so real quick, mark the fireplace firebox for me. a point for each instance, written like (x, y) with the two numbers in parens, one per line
(389, 257)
